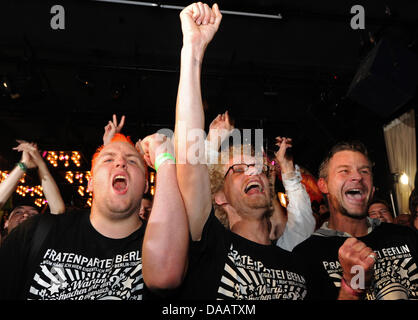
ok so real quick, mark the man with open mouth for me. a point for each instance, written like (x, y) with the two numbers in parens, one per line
(353, 256)
(93, 254)
(237, 259)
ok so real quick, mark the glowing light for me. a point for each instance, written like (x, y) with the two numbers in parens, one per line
(283, 199)
(404, 178)
(81, 191)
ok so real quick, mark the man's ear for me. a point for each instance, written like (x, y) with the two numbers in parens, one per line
(90, 185)
(146, 186)
(322, 185)
(220, 198)
(373, 190)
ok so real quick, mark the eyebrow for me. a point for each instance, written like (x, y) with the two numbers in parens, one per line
(348, 166)
(110, 153)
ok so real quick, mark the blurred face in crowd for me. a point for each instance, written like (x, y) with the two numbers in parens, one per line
(118, 180)
(415, 222)
(146, 206)
(381, 212)
(18, 215)
(349, 184)
(323, 209)
(403, 219)
(249, 191)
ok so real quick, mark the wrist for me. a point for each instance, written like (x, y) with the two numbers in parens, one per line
(193, 51)
(22, 166)
(359, 293)
(287, 168)
(162, 158)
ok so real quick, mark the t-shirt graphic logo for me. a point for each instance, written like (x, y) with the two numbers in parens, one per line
(87, 278)
(247, 279)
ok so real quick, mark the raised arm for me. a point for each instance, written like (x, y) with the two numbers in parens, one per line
(199, 24)
(50, 188)
(166, 242)
(8, 186)
(300, 220)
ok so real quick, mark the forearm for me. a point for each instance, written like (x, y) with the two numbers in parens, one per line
(278, 220)
(167, 235)
(189, 111)
(50, 190)
(193, 179)
(8, 186)
(300, 220)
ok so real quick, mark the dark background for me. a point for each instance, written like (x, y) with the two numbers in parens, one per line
(289, 76)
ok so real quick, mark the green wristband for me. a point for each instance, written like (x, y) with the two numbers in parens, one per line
(163, 157)
(22, 166)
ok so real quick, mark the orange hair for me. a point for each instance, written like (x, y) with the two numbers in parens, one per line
(118, 137)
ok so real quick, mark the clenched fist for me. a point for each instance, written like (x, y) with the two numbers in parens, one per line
(354, 256)
(199, 24)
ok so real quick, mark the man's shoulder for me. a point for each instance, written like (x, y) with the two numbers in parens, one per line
(314, 241)
(396, 229)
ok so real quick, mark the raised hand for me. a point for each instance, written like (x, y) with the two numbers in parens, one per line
(199, 23)
(112, 128)
(285, 161)
(221, 127)
(155, 144)
(355, 253)
(30, 155)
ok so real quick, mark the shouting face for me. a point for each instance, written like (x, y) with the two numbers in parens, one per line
(246, 186)
(118, 180)
(349, 184)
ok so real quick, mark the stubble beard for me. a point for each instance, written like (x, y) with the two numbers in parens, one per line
(339, 206)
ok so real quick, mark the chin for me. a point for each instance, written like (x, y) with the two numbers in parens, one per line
(355, 214)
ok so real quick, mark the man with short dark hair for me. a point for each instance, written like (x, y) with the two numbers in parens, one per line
(379, 209)
(352, 256)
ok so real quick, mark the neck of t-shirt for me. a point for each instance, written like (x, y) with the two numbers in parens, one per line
(352, 226)
(115, 228)
(253, 230)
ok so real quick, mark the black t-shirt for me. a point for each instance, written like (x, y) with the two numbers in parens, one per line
(395, 271)
(224, 265)
(75, 262)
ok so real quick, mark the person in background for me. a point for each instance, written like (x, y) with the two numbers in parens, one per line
(413, 206)
(404, 219)
(23, 210)
(379, 209)
(146, 207)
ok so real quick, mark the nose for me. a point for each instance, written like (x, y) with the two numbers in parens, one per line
(120, 162)
(356, 175)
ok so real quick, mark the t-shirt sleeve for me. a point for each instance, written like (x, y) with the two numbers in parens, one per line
(13, 260)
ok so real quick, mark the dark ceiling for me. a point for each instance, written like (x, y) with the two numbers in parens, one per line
(289, 76)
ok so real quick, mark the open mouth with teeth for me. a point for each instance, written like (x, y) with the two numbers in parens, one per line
(120, 184)
(355, 195)
(253, 187)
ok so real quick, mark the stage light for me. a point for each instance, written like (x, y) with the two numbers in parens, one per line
(404, 178)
